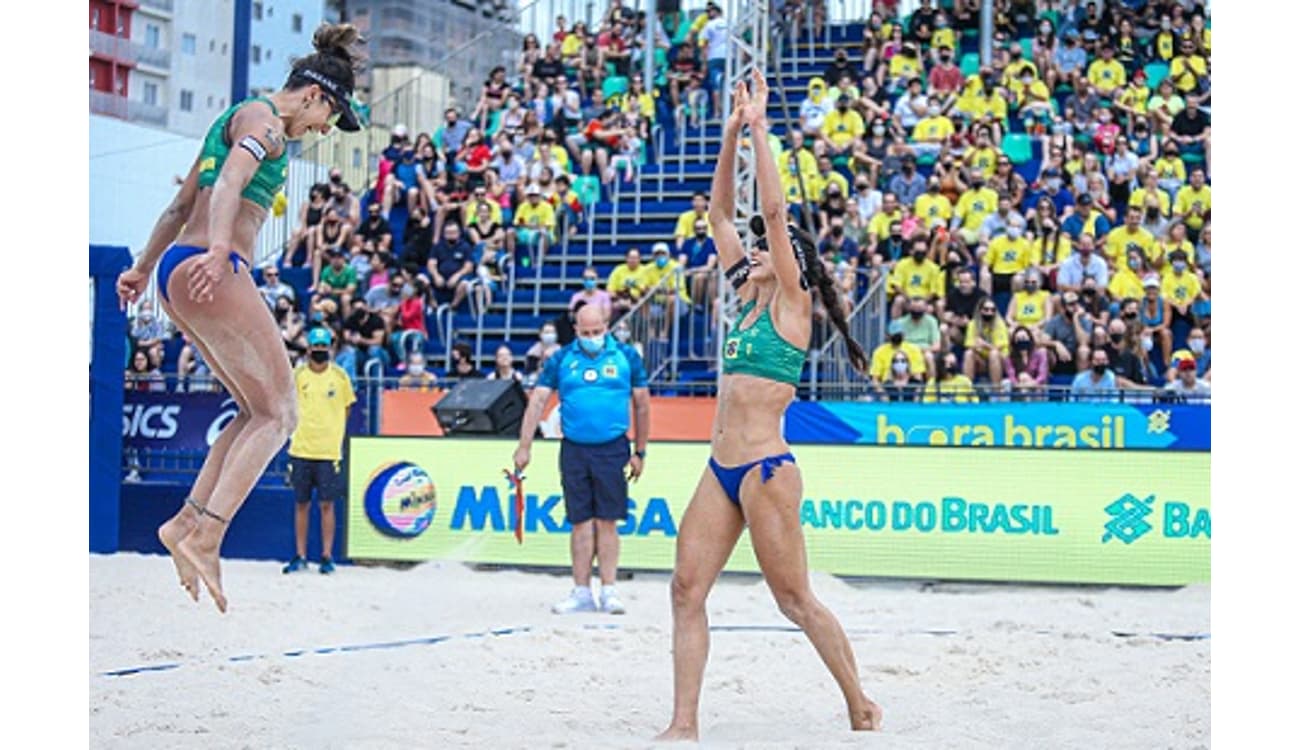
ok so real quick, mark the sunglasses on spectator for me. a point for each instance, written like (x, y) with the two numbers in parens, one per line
(987, 309)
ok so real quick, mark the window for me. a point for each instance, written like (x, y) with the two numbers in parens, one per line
(257, 11)
(296, 24)
(188, 43)
(212, 45)
(151, 35)
(151, 94)
(209, 101)
(268, 54)
(224, 47)
(257, 54)
(187, 101)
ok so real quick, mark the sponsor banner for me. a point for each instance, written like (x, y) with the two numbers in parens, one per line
(1112, 517)
(186, 421)
(1017, 425)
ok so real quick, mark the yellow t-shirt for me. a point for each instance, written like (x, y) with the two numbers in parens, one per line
(924, 279)
(686, 223)
(842, 128)
(1163, 248)
(996, 334)
(1139, 199)
(1030, 307)
(836, 178)
(528, 215)
(1168, 169)
(975, 205)
(1135, 98)
(494, 211)
(933, 129)
(1165, 45)
(882, 359)
(323, 401)
(1120, 241)
(654, 274)
(1036, 92)
(879, 224)
(948, 38)
(1125, 285)
(1055, 251)
(1107, 75)
(1011, 75)
(957, 389)
(1183, 71)
(1193, 204)
(1006, 255)
(1180, 289)
(979, 106)
(984, 160)
(905, 67)
(934, 209)
(571, 45)
(624, 279)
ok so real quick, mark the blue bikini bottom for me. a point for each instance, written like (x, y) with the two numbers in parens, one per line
(730, 478)
(177, 254)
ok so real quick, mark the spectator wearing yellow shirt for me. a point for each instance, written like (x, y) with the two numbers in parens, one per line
(905, 66)
(973, 207)
(1008, 254)
(933, 207)
(1181, 288)
(324, 394)
(668, 287)
(1171, 172)
(1175, 239)
(1188, 71)
(944, 35)
(699, 211)
(987, 343)
(949, 384)
(1165, 43)
(1132, 100)
(1193, 202)
(1107, 74)
(932, 131)
(627, 282)
(1033, 102)
(827, 176)
(1126, 282)
(889, 213)
(534, 221)
(1150, 189)
(914, 276)
(1031, 307)
(1128, 237)
(882, 359)
(983, 158)
(843, 128)
(1165, 105)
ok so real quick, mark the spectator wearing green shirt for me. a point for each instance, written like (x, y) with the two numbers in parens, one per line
(338, 281)
(922, 329)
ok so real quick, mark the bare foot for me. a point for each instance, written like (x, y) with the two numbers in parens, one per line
(206, 559)
(867, 718)
(679, 734)
(170, 533)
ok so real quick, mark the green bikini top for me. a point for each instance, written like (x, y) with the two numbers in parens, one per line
(760, 351)
(270, 174)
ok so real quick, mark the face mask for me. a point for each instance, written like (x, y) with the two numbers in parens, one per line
(1116, 338)
(988, 315)
(661, 261)
(415, 369)
(1165, 24)
(1134, 264)
(622, 335)
(946, 57)
(900, 368)
(1013, 232)
(837, 231)
(1197, 346)
(933, 111)
(918, 257)
(588, 284)
(878, 129)
(1044, 29)
(1031, 286)
(896, 338)
(1180, 266)
(1153, 214)
(1099, 369)
(1024, 345)
(591, 345)
(977, 184)
(548, 338)
(1089, 292)
(320, 356)
(1147, 343)
(908, 169)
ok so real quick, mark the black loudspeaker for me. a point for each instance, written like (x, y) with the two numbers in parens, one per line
(482, 407)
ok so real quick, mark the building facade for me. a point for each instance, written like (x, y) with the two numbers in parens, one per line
(281, 30)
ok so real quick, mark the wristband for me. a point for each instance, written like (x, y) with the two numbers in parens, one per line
(640, 455)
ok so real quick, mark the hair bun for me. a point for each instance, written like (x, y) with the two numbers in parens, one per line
(336, 40)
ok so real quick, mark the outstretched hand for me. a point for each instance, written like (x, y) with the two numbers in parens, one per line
(757, 98)
(739, 104)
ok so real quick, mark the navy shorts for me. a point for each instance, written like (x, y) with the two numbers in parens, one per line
(326, 477)
(593, 480)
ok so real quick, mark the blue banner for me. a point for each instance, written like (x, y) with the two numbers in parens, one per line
(188, 421)
(1032, 425)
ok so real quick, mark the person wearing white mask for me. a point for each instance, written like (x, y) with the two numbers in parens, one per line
(417, 376)
(547, 344)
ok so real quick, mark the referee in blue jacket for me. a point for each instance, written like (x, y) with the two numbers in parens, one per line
(597, 377)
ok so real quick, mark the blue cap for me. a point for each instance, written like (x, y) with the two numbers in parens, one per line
(895, 326)
(319, 337)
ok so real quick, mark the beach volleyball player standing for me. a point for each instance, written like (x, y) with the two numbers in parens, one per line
(208, 291)
(752, 479)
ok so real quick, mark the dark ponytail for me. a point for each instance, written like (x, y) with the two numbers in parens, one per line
(814, 271)
(333, 58)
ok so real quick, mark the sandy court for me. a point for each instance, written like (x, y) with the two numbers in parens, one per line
(357, 661)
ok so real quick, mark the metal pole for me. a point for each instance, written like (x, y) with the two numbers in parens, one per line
(648, 51)
(986, 33)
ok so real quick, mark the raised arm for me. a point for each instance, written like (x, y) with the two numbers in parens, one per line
(770, 196)
(722, 199)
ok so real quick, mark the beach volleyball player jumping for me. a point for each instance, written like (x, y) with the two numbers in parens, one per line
(208, 291)
(752, 479)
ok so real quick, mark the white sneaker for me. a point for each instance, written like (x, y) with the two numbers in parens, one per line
(579, 600)
(609, 601)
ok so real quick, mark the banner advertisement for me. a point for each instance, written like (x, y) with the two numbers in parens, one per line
(187, 421)
(1112, 517)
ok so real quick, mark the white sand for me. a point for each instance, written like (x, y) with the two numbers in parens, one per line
(1029, 667)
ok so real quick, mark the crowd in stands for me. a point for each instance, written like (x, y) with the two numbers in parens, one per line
(909, 160)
